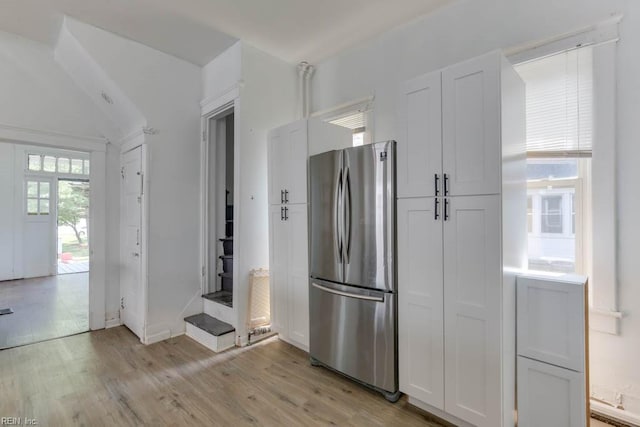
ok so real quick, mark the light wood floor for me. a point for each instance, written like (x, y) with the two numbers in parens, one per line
(44, 308)
(108, 378)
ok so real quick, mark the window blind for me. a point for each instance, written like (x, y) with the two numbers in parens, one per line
(559, 104)
(354, 121)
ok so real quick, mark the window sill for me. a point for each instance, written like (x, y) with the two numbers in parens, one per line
(603, 320)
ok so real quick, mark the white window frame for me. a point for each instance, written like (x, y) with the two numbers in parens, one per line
(362, 105)
(604, 315)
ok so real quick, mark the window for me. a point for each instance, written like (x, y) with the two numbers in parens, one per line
(356, 122)
(38, 197)
(62, 165)
(559, 116)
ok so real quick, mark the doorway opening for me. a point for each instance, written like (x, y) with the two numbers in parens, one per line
(73, 226)
(220, 213)
(45, 236)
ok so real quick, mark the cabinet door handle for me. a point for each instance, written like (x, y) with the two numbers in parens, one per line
(436, 207)
(436, 186)
(446, 209)
(446, 184)
(286, 213)
(281, 214)
(286, 196)
(281, 196)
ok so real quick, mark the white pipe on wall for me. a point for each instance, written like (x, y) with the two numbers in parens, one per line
(305, 71)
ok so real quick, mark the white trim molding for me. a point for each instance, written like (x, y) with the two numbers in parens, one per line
(602, 32)
(615, 413)
(10, 133)
(362, 104)
(211, 104)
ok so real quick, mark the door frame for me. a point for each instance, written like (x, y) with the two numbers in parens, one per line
(218, 108)
(139, 142)
(26, 139)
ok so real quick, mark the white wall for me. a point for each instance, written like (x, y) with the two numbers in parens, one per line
(267, 87)
(6, 211)
(467, 28)
(166, 91)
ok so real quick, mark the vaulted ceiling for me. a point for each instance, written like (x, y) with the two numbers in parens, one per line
(199, 30)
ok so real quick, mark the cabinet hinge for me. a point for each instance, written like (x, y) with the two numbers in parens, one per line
(203, 271)
(122, 172)
(122, 303)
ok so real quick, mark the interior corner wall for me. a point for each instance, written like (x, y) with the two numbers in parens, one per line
(166, 90)
(467, 28)
(7, 211)
(267, 100)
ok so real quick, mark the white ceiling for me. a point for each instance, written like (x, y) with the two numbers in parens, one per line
(199, 30)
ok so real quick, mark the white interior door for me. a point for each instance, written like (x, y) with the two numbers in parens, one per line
(132, 310)
(39, 226)
(420, 300)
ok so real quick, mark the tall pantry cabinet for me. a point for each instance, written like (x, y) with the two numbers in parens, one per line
(289, 148)
(461, 238)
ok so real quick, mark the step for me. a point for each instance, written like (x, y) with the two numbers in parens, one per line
(221, 297)
(212, 333)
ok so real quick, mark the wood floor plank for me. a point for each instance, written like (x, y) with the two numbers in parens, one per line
(109, 378)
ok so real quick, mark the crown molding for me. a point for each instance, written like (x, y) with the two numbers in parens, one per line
(48, 138)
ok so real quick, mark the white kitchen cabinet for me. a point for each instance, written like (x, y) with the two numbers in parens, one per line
(289, 273)
(550, 396)
(421, 321)
(458, 252)
(289, 148)
(419, 148)
(471, 133)
(472, 307)
(449, 130)
(552, 351)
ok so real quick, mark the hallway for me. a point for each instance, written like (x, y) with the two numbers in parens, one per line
(43, 308)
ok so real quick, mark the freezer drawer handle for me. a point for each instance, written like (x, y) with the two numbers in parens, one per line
(347, 294)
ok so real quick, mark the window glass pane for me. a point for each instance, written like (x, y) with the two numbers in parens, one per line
(44, 207)
(530, 214)
(573, 213)
(32, 206)
(549, 169)
(76, 166)
(358, 139)
(551, 214)
(63, 165)
(35, 162)
(49, 164)
(86, 167)
(32, 189)
(44, 190)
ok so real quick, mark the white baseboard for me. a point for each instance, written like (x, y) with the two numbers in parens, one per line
(617, 414)
(112, 323)
(157, 337)
(438, 412)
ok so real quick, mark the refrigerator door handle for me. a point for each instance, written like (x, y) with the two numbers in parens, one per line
(347, 220)
(347, 294)
(338, 223)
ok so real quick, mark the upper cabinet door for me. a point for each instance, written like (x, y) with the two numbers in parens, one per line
(420, 300)
(295, 186)
(471, 126)
(472, 309)
(278, 155)
(420, 136)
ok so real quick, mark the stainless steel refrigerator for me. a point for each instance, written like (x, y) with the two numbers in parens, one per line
(352, 286)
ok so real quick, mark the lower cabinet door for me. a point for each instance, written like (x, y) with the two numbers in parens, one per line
(550, 396)
(420, 300)
(473, 309)
(278, 250)
(298, 275)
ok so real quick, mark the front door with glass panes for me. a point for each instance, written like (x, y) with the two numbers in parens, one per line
(39, 227)
(44, 244)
